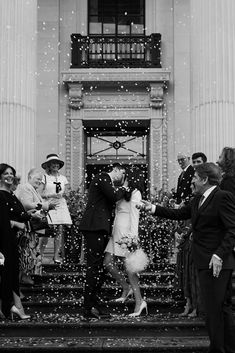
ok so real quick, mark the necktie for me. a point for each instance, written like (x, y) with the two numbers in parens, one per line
(201, 201)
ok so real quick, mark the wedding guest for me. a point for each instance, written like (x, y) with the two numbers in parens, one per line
(198, 158)
(226, 162)
(191, 287)
(96, 227)
(212, 212)
(13, 219)
(30, 257)
(125, 226)
(182, 197)
(183, 190)
(55, 186)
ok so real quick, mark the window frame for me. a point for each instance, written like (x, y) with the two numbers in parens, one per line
(116, 34)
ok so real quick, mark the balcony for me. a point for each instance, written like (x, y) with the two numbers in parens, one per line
(116, 51)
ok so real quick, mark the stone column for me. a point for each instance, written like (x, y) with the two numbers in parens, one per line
(212, 76)
(18, 34)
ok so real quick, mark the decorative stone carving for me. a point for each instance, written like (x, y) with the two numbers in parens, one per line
(156, 95)
(108, 102)
(155, 155)
(164, 150)
(75, 96)
(77, 151)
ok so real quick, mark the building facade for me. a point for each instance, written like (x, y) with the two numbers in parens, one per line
(102, 81)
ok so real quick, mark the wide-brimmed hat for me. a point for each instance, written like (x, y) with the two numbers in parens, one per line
(53, 157)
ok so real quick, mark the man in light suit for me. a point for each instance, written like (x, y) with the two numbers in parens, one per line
(212, 213)
(96, 227)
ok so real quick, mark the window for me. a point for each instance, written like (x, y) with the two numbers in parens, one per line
(116, 17)
(125, 147)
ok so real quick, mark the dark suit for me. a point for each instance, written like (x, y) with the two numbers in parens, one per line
(228, 183)
(184, 191)
(213, 227)
(96, 226)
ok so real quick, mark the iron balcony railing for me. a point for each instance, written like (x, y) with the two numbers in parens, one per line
(116, 51)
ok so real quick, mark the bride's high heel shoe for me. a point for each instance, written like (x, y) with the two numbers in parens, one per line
(123, 299)
(19, 313)
(142, 307)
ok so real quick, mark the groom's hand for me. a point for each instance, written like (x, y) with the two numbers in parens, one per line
(144, 205)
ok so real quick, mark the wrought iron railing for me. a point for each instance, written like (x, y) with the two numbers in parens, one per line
(116, 51)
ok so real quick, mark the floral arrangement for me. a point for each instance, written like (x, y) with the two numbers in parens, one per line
(74, 247)
(156, 234)
(128, 243)
(136, 259)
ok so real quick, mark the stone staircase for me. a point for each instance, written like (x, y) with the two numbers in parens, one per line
(56, 325)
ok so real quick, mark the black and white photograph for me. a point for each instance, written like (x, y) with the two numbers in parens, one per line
(117, 176)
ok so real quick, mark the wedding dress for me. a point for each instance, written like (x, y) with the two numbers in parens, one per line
(126, 223)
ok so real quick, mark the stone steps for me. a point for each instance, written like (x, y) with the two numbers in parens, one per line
(47, 325)
(56, 324)
(68, 305)
(68, 333)
(63, 277)
(181, 344)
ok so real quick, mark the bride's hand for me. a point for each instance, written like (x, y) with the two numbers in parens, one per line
(144, 205)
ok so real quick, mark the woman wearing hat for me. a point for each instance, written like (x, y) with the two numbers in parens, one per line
(54, 187)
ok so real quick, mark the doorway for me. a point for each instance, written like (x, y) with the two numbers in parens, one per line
(108, 142)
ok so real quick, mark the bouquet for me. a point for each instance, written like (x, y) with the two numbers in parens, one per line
(136, 260)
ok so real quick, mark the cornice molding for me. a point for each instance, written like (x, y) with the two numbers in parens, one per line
(115, 75)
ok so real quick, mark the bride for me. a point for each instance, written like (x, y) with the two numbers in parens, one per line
(125, 226)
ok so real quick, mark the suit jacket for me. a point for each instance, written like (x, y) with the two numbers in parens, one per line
(213, 227)
(184, 191)
(101, 199)
(228, 184)
(29, 197)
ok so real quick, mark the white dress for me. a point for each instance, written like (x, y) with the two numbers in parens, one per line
(126, 222)
(61, 214)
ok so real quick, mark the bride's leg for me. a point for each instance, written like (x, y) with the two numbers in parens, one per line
(134, 281)
(109, 264)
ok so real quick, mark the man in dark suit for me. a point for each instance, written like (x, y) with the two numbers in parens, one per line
(96, 227)
(184, 191)
(212, 213)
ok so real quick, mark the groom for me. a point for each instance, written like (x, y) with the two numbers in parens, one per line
(212, 213)
(96, 227)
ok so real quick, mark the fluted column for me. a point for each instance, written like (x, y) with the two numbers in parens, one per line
(18, 33)
(212, 75)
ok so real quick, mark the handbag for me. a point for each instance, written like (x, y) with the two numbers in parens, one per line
(39, 223)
